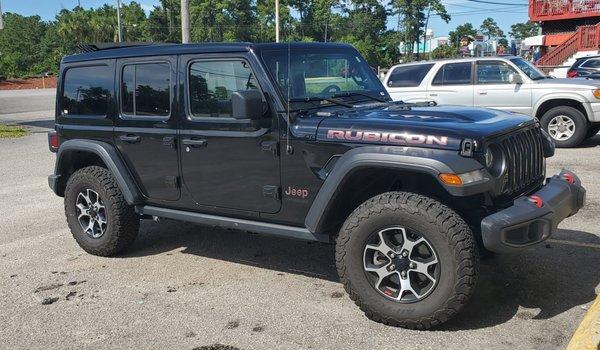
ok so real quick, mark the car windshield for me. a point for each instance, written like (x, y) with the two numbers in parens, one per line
(322, 74)
(529, 69)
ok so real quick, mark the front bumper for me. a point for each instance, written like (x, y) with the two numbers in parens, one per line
(528, 222)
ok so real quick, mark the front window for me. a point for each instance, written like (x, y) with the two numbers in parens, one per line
(529, 69)
(322, 74)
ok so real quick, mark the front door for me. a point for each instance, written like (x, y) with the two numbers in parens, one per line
(146, 126)
(493, 88)
(226, 162)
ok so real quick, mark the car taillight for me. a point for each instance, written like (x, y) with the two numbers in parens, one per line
(53, 141)
(572, 74)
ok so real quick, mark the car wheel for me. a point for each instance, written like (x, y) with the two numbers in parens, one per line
(592, 131)
(407, 260)
(566, 125)
(98, 216)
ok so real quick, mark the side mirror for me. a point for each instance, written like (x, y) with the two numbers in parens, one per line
(247, 104)
(515, 78)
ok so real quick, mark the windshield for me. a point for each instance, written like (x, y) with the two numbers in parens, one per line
(321, 74)
(532, 71)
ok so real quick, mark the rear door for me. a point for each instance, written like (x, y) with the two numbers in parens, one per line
(406, 82)
(146, 127)
(452, 84)
(226, 162)
(494, 90)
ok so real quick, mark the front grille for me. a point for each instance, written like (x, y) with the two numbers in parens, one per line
(524, 160)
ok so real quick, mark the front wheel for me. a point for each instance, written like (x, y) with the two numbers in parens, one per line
(407, 260)
(566, 125)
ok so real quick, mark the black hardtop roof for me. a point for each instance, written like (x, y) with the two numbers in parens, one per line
(175, 49)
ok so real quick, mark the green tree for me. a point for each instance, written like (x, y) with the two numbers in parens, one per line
(19, 45)
(414, 15)
(524, 30)
(490, 28)
(460, 31)
(444, 51)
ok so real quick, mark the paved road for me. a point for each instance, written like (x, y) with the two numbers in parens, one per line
(17, 101)
(184, 286)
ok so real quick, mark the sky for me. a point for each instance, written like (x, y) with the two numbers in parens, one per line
(512, 11)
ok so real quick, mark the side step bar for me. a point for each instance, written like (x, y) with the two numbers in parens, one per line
(234, 223)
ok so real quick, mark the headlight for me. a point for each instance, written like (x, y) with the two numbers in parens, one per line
(495, 161)
(596, 93)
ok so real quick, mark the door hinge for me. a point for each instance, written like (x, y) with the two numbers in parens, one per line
(169, 141)
(270, 146)
(172, 181)
(271, 191)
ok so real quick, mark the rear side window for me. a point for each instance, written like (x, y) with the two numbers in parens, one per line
(146, 90)
(407, 76)
(453, 74)
(211, 84)
(593, 63)
(86, 90)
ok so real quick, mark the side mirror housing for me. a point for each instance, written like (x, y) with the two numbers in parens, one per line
(515, 78)
(247, 104)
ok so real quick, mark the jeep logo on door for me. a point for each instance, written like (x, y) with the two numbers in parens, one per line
(387, 137)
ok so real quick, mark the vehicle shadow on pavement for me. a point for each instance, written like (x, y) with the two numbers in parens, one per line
(546, 280)
(45, 124)
(591, 142)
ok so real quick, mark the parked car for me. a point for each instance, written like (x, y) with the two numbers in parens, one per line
(302, 141)
(585, 67)
(568, 109)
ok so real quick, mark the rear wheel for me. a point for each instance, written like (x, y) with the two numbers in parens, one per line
(566, 125)
(99, 218)
(407, 260)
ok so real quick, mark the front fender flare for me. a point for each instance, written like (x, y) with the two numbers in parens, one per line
(109, 156)
(420, 160)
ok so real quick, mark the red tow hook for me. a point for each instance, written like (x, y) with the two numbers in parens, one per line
(569, 178)
(537, 200)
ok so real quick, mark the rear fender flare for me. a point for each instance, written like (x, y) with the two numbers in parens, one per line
(111, 159)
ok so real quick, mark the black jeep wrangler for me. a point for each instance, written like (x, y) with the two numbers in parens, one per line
(301, 140)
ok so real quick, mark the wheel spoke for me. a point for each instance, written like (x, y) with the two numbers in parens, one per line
(423, 268)
(409, 244)
(381, 271)
(406, 286)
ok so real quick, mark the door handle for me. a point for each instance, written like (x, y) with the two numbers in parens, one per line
(433, 94)
(482, 92)
(194, 143)
(130, 138)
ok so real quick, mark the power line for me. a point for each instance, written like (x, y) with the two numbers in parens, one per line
(497, 3)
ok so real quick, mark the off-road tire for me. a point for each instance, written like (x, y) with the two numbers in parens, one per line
(122, 221)
(449, 235)
(581, 125)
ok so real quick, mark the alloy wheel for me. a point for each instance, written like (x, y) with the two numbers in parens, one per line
(561, 127)
(401, 264)
(91, 213)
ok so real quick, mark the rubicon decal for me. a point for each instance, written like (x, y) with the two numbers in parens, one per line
(387, 137)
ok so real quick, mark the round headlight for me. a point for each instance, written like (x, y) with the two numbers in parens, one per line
(494, 161)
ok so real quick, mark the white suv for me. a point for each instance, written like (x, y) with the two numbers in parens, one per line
(569, 109)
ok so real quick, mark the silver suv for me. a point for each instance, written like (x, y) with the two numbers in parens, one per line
(569, 109)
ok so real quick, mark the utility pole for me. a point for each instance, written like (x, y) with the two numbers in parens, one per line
(119, 20)
(1, 20)
(185, 21)
(276, 21)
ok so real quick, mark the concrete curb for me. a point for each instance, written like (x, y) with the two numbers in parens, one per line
(587, 335)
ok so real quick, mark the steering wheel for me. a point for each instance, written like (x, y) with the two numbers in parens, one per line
(331, 88)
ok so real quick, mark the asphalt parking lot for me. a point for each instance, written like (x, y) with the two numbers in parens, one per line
(186, 286)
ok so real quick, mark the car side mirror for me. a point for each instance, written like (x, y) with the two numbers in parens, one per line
(247, 104)
(514, 78)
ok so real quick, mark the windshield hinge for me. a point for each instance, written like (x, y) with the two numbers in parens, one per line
(467, 147)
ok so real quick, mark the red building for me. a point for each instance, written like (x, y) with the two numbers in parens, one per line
(570, 27)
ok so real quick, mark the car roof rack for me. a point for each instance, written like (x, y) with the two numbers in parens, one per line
(108, 46)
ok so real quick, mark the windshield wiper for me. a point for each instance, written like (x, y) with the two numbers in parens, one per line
(331, 100)
(351, 93)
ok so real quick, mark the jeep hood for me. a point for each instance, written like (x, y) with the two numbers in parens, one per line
(435, 127)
